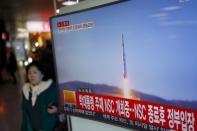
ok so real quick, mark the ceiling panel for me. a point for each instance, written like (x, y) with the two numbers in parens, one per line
(16, 12)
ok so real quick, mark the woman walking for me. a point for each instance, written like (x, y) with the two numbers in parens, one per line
(39, 101)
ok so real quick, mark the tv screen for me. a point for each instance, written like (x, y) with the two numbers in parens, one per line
(129, 62)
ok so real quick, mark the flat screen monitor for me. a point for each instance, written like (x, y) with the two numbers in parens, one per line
(131, 63)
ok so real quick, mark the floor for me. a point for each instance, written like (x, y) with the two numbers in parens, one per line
(10, 109)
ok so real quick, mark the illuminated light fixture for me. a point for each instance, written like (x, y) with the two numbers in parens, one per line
(21, 63)
(33, 50)
(5, 36)
(26, 46)
(37, 44)
(22, 35)
(30, 60)
(38, 26)
(58, 11)
(70, 2)
(21, 30)
(26, 63)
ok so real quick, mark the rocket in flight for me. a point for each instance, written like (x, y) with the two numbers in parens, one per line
(124, 58)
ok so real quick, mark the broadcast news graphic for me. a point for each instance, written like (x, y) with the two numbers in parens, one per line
(131, 63)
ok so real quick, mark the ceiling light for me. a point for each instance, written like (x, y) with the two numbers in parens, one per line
(70, 2)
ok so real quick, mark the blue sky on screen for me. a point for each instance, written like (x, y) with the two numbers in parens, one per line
(160, 42)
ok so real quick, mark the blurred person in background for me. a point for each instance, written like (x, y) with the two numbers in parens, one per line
(11, 64)
(39, 100)
(2, 50)
(46, 56)
(2, 59)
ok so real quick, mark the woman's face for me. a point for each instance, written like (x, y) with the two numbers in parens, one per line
(34, 75)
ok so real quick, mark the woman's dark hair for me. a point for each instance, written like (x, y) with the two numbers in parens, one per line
(40, 67)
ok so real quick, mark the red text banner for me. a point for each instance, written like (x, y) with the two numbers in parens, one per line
(166, 116)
